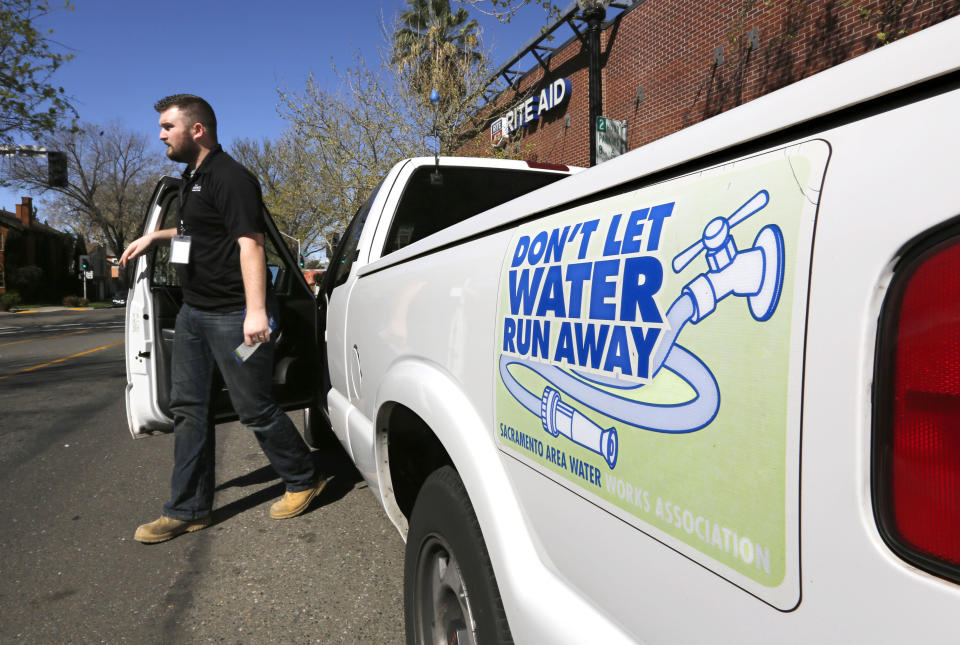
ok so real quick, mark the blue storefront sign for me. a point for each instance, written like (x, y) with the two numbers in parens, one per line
(550, 97)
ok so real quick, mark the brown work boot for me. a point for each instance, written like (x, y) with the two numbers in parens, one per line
(294, 504)
(167, 528)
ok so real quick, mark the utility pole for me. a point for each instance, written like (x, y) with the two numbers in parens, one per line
(300, 261)
(593, 12)
(84, 267)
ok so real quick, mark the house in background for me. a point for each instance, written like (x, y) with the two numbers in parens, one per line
(35, 259)
(105, 270)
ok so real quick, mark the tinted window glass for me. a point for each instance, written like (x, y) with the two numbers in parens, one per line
(276, 266)
(428, 206)
(164, 273)
(346, 252)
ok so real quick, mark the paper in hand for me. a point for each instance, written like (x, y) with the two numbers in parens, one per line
(243, 352)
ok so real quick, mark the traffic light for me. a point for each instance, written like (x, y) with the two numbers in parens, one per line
(84, 262)
(56, 170)
(302, 262)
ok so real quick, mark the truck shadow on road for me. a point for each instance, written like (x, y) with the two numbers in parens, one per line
(330, 462)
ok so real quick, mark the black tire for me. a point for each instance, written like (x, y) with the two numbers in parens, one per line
(445, 552)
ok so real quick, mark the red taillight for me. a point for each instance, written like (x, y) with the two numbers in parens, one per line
(917, 419)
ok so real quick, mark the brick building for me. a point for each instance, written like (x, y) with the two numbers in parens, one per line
(36, 254)
(668, 64)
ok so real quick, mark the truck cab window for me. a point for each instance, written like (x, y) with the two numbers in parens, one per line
(429, 206)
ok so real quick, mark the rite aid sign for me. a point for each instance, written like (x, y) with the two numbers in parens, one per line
(526, 112)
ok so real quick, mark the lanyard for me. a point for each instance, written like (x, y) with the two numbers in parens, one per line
(185, 184)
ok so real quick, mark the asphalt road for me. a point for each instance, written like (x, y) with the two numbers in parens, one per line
(74, 486)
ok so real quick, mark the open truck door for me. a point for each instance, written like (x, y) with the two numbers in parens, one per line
(152, 306)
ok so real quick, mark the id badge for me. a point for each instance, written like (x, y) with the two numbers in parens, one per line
(180, 249)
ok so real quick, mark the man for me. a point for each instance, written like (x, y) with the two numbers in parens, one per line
(217, 249)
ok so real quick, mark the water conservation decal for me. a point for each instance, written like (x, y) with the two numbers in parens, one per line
(649, 357)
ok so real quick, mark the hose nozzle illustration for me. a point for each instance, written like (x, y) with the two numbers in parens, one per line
(560, 419)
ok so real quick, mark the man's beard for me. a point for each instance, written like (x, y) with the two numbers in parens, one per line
(184, 154)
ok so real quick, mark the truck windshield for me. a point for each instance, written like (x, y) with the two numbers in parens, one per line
(429, 205)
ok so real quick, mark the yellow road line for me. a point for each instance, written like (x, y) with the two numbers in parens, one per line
(60, 360)
(33, 340)
(28, 311)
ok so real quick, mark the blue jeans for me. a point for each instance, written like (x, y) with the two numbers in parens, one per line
(204, 339)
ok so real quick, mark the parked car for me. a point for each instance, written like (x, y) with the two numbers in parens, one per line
(120, 298)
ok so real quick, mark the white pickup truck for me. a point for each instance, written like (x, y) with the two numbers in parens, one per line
(708, 391)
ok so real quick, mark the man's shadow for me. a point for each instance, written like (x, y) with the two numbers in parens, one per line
(329, 461)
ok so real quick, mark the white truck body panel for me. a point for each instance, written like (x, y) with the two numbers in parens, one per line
(421, 327)
(140, 394)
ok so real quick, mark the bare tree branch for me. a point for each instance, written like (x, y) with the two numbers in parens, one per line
(505, 10)
(111, 179)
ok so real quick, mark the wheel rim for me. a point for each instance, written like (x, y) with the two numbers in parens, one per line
(442, 602)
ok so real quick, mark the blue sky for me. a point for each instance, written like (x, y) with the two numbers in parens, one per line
(128, 54)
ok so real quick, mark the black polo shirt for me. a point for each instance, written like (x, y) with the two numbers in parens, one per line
(219, 202)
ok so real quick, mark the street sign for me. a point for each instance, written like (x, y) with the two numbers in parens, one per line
(88, 275)
(611, 138)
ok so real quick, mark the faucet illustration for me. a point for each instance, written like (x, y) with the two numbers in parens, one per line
(756, 273)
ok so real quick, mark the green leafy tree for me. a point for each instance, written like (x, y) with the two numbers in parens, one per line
(340, 144)
(290, 173)
(431, 42)
(434, 47)
(30, 104)
(343, 139)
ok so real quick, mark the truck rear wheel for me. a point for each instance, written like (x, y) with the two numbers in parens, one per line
(450, 593)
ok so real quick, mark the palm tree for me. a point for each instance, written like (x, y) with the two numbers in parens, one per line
(432, 46)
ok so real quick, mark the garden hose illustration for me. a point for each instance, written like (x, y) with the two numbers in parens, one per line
(756, 273)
